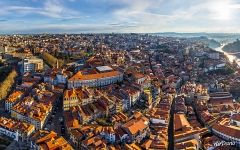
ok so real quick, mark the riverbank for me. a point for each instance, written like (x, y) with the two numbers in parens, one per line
(229, 56)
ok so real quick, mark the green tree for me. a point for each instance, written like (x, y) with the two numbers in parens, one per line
(51, 60)
(7, 84)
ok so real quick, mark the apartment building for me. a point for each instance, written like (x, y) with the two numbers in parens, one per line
(32, 64)
(14, 129)
(31, 111)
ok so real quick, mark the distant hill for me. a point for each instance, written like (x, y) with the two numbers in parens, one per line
(232, 47)
(220, 37)
(213, 44)
(210, 42)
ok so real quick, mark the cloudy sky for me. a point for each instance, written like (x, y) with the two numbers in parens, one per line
(100, 16)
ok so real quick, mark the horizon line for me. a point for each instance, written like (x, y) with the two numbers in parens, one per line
(167, 32)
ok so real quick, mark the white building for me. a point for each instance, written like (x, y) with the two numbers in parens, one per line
(108, 134)
(137, 129)
(227, 132)
(214, 55)
(32, 112)
(12, 100)
(15, 129)
(32, 64)
(235, 119)
(131, 96)
(102, 77)
(9, 133)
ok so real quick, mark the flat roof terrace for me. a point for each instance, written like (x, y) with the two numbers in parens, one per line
(104, 68)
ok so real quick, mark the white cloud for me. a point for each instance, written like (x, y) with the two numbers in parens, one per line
(201, 15)
(63, 28)
(137, 16)
(50, 8)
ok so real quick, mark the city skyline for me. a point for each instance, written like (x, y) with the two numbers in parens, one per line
(105, 16)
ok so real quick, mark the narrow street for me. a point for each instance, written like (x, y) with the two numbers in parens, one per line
(171, 128)
(55, 121)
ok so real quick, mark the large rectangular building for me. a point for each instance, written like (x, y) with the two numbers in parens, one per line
(32, 64)
(221, 98)
(101, 76)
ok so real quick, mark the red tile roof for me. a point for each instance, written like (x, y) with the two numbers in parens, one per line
(80, 76)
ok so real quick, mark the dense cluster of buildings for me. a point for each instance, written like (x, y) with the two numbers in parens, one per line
(123, 91)
(213, 111)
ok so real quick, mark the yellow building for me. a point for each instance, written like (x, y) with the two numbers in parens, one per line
(148, 96)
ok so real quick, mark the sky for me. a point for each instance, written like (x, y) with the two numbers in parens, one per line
(120, 16)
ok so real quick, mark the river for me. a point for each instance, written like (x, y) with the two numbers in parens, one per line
(230, 56)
